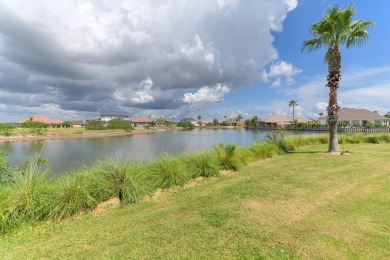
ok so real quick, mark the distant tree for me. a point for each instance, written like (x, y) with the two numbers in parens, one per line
(94, 125)
(376, 111)
(67, 124)
(293, 103)
(119, 123)
(185, 125)
(216, 122)
(199, 117)
(248, 122)
(255, 120)
(6, 129)
(37, 128)
(320, 114)
(387, 115)
(334, 29)
(239, 118)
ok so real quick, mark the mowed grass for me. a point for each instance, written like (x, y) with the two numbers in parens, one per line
(300, 205)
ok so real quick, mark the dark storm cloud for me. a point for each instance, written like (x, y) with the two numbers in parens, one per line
(76, 57)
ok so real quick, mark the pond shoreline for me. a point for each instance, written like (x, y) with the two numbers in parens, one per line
(21, 138)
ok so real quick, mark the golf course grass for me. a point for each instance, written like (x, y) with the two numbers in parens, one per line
(304, 205)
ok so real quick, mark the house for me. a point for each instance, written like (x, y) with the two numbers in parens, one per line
(234, 121)
(277, 120)
(301, 119)
(42, 119)
(353, 117)
(77, 123)
(113, 115)
(141, 121)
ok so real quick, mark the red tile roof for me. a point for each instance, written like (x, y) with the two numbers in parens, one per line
(42, 119)
(141, 120)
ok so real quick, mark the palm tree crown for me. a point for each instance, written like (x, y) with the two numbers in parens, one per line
(335, 29)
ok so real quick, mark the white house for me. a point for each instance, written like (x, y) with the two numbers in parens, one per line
(112, 115)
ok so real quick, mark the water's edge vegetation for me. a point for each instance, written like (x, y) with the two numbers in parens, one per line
(29, 195)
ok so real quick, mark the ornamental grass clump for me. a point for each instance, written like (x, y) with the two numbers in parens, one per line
(168, 171)
(263, 150)
(358, 138)
(123, 179)
(202, 164)
(377, 138)
(24, 200)
(70, 196)
(226, 155)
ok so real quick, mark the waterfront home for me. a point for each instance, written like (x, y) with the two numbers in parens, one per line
(277, 120)
(77, 123)
(353, 117)
(234, 121)
(42, 119)
(105, 117)
(141, 121)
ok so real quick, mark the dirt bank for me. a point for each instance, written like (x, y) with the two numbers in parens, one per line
(17, 138)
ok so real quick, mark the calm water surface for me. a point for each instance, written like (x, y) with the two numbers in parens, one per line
(66, 154)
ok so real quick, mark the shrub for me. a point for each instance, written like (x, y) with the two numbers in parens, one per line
(185, 125)
(225, 154)
(168, 171)
(94, 125)
(202, 164)
(119, 124)
(6, 129)
(37, 128)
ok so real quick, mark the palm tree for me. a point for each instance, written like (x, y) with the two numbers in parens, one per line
(239, 118)
(293, 103)
(336, 28)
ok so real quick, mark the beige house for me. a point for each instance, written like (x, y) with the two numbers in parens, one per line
(351, 117)
(141, 121)
(277, 120)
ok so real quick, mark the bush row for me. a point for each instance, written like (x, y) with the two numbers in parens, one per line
(28, 194)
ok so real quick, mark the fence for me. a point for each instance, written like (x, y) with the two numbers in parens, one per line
(325, 129)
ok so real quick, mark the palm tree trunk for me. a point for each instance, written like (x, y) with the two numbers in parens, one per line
(334, 77)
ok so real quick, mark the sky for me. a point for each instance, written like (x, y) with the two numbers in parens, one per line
(76, 59)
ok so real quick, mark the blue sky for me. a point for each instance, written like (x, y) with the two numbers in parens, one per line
(214, 58)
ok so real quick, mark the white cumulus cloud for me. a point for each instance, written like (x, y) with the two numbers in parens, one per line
(207, 95)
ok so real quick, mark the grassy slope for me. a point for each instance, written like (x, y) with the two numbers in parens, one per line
(301, 205)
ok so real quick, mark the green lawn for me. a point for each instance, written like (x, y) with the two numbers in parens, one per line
(300, 205)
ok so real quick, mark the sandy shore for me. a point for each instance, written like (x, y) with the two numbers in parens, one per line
(17, 138)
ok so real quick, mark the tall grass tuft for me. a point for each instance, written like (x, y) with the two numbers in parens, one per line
(123, 179)
(203, 164)
(226, 155)
(263, 150)
(24, 199)
(70, 196)
(168, 171)
(244, 155)
(358, 138)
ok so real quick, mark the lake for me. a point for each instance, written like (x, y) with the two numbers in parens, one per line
(67, 154)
